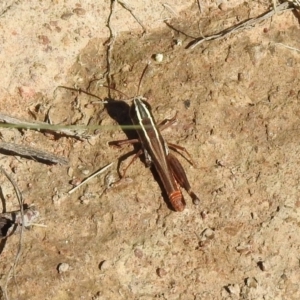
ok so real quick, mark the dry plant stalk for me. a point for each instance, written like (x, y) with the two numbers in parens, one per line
(62, 130)
(285, 6)
(29, 152)
(90, 177)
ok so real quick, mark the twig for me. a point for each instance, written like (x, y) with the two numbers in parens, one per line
(79, 91)
(113, 35)
(288, 47)
(110, 45)
(296, 3)
(170, 9)
(199, 5)
(285, 6)
(29, 152)
(90, 177)
(125, 5)
(38, 126)
(7, 8)
(275, 5)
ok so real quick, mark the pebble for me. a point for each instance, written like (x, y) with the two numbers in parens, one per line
(223, 7)
(79, 11)
(208, 234)
(85, 172)
(70, 172)
(104, 265)
(159, 57)
(63, 267)
(234, 289)
(178, 42)
(161, 272)
(251, 282)
(138, 253)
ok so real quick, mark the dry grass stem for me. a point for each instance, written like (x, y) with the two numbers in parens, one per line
(243, 25)
(90, 177)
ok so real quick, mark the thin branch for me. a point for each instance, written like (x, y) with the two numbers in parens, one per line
(199, 5)
(58, 129)
(125, 5)
(285, 6)
(90, 177)
(288, 47)
(29, 152)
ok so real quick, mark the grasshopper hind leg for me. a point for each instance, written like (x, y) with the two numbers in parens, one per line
(181, 178)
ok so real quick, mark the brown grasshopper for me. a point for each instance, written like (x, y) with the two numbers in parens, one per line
(156, 151)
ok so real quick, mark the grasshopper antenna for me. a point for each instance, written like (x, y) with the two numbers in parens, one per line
(111, 88)
(144, 72)
(80, 91)
(90, 94)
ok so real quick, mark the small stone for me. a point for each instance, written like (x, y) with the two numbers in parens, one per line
(66, 16)
(138, 253)
(220, 163)
(187, 103)
(109, 180)
(244, 249)
(159, 57)
(251, 282)
(262, 265)
(63, 267)
(70, 172)
(208, 233)
(284, 277)
(223, 6)
(126, 68)
(85, 172)
(43, 39)
(104, 265)
(55, 198)
(161, 272)
(234, 289)
(93, 140)
(84, 200)
(75, 181)
(204, 214)
(79, 11)
(178, 42)
(241, 77)
(205, 237)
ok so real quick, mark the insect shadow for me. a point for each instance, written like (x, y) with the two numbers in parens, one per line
(119, 110)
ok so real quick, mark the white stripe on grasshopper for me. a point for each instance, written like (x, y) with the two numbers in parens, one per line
(139, 103)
